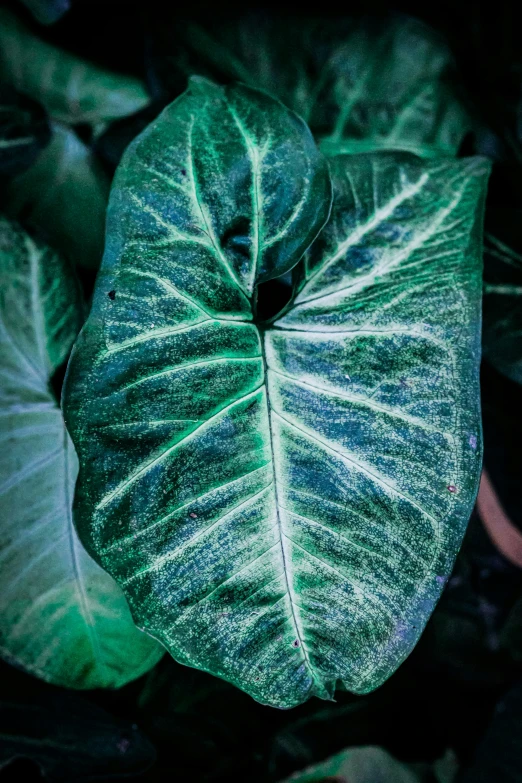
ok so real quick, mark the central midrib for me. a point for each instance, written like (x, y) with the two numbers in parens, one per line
(289, 587)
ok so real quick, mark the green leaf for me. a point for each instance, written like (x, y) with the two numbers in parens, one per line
(357, 765)
(47, 11)
(502, 336)
(63, 196)
(283, 503)
(61, 617)
(24, 131)
(360, 85)
(71, 89)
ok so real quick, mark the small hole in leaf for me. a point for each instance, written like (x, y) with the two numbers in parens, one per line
(184, 172)
(272, 297)
(295, 643)
(112, 295)
(452, 488)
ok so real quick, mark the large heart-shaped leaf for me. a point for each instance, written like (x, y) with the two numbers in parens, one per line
(61, 616)
(283, 503)
(361, 85)
(63, 196)
(71, 89)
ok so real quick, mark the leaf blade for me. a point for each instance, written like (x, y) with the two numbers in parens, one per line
(62, 616)
(197, 512)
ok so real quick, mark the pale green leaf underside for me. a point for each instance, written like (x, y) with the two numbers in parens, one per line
(65, 181)
(61, 616)
(502, 336)
(366, 764)
(282, 506)
(360, 85)
(71, 89)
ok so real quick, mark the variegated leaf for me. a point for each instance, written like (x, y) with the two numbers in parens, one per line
(281, 503)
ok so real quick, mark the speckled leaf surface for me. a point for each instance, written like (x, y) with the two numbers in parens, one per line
(71, 89)
(360, 84)
(280, 503)
(502, 337)
(61, 616)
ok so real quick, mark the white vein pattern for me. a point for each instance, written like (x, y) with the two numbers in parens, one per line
(281, 505)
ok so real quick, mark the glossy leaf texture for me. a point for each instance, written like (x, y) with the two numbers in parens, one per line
(502, 336)
(281, 504)
(71, 89)
(24, 131)
(63, 196)
(62, 617)
(361, 85)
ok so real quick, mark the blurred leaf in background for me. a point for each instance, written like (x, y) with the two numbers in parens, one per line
(502, 329)
(72, 90)
(360, 84)
(48, 11)
(24, 131)
(63, 196)
(70, 739)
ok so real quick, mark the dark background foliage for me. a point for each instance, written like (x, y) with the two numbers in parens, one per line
(462, 686)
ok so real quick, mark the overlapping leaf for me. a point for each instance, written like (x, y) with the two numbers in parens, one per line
(357, 765)
(281, 504)
(63, 196)
(61, 616)
(360, 85)
(48, 11)
(71, 89)
(502, 341)
(24, 131)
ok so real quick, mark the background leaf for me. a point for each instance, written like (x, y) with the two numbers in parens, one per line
(24, 131)
(357, 765)
(71, 739)
(72, 90)
(361, 84)
(502, 336)
(47, 11)
(62, 617)
(63, 197)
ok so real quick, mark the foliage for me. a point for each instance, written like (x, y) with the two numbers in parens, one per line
(72, 91)
(24, 131)
(63, 196)
(274, 399)
(359, 84)
(62, 617)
